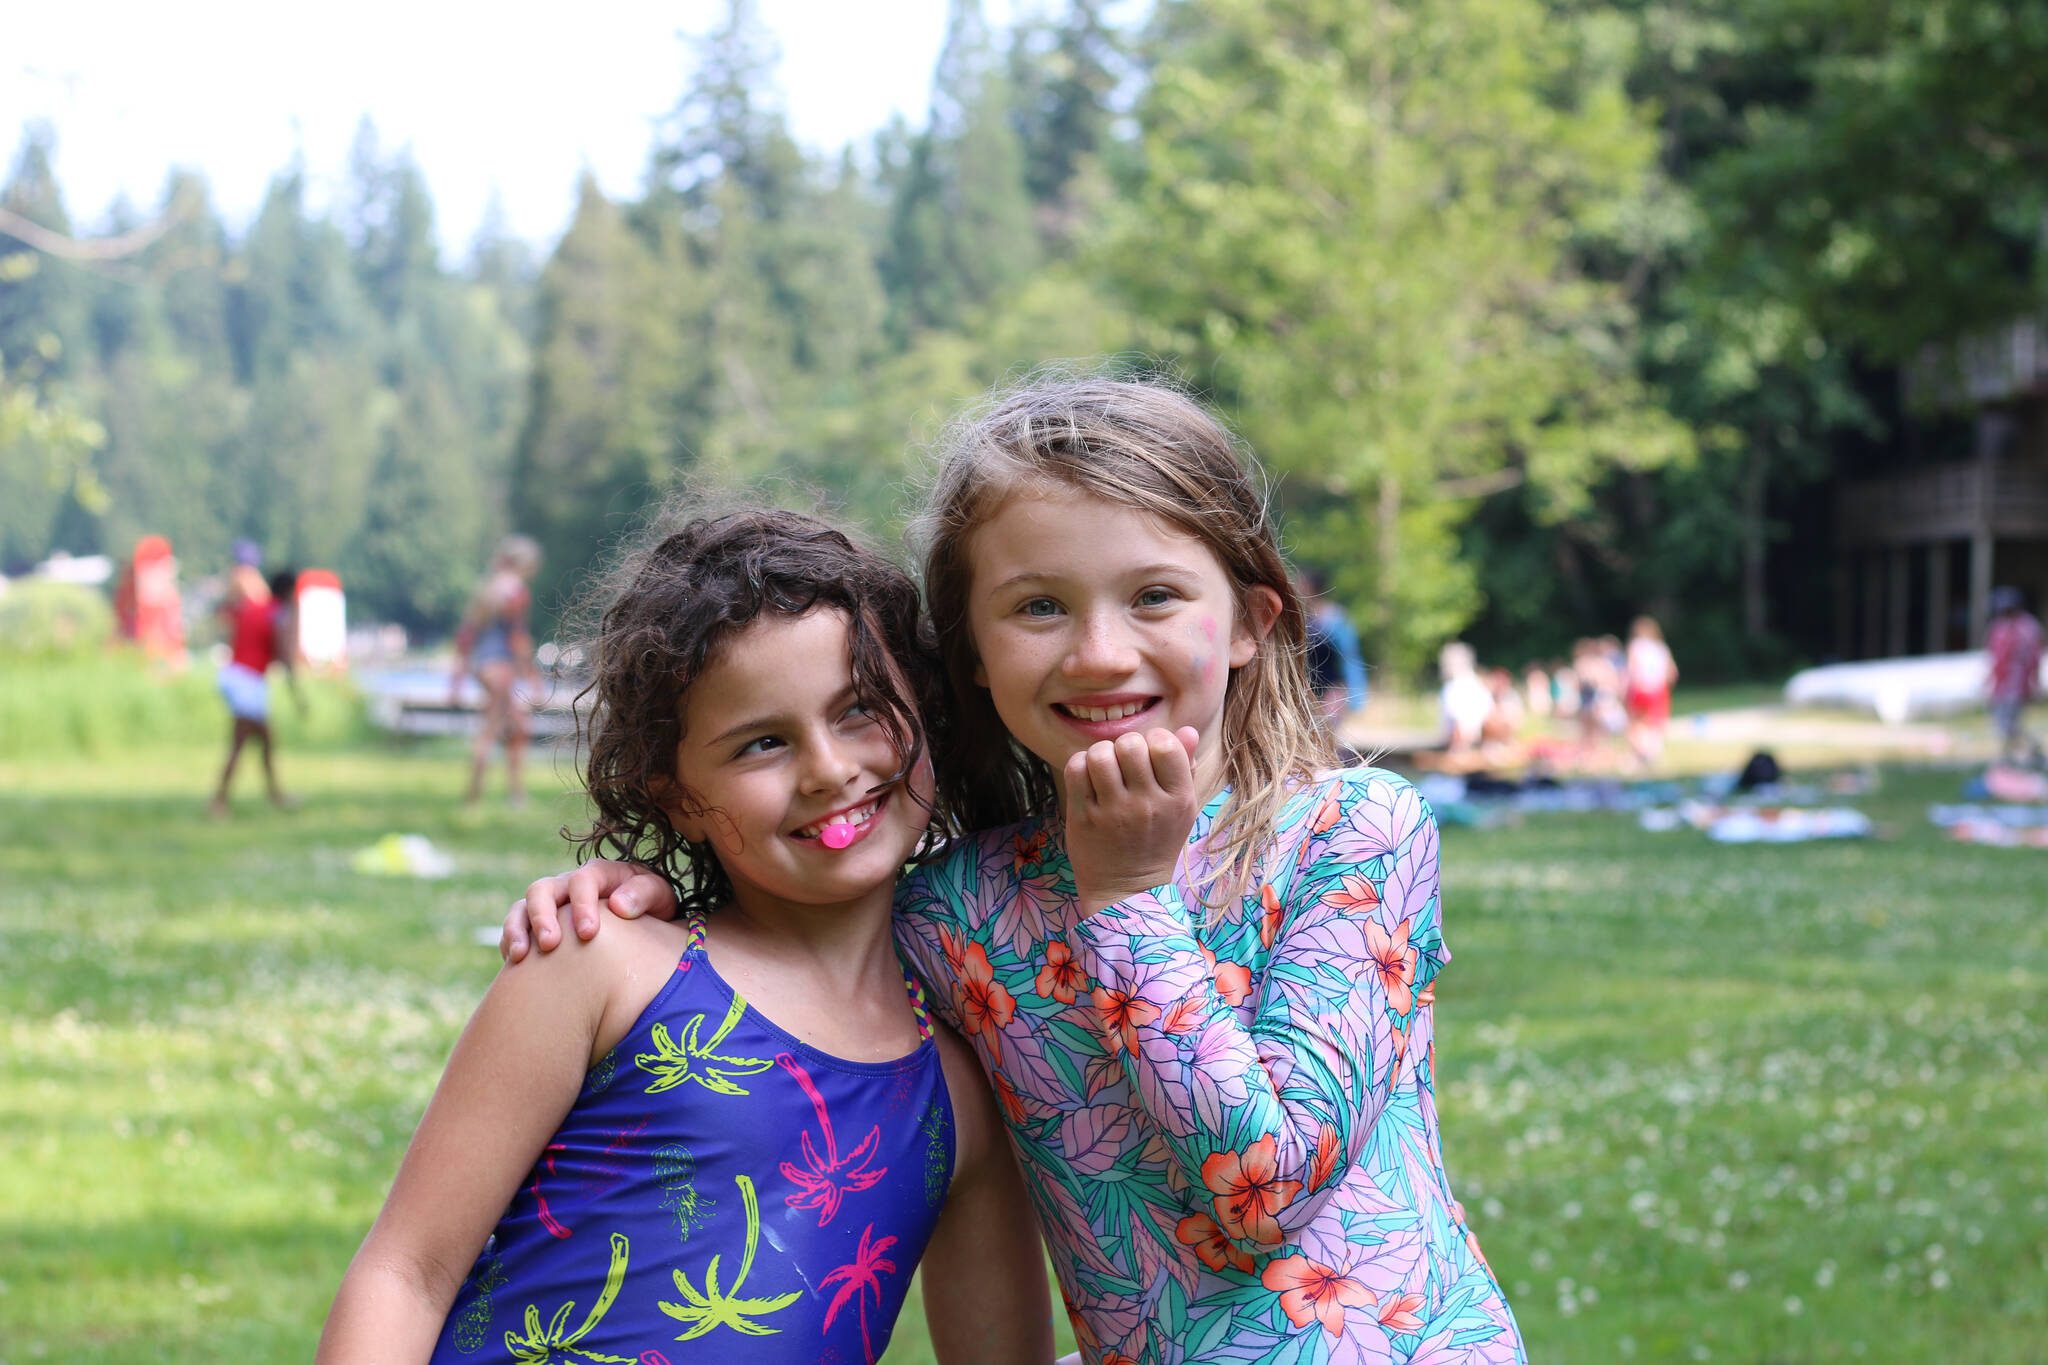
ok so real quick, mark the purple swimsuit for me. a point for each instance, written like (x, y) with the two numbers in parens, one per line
(719, 1191)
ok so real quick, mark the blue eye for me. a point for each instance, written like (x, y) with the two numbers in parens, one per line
(1156, 597)
(1039, 607)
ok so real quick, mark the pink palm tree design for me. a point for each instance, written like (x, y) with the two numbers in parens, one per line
(546, 1163)
(823, 1182)
(855, 1280)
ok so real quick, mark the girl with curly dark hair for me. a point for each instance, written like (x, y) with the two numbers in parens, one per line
(740, 1127)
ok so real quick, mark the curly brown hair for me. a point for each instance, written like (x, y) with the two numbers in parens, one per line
(670, 606)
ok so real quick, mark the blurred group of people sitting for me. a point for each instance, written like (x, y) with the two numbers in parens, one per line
(1604, 692)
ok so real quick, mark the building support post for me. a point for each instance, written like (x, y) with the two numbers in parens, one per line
(1980, 584)
(1897, 600)
(1870, 568)
(1937, 597)
(1843, 576)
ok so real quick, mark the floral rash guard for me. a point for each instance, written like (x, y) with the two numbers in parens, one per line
(1230, 1130)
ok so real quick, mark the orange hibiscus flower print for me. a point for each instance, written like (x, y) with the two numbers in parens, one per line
(1123, 1015)
(1006, 1095)
(1355, 893)
(1030, 850)
(1061, 976)
(1310, 1292)
(1216, 1251)
(1398, 1313)
(1395, 962)
(1326, 1157)
(985, 1007)
(1270, 914)
(1248, 1191)
(1233, 979)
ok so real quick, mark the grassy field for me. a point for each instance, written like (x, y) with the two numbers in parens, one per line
(1702, 1102)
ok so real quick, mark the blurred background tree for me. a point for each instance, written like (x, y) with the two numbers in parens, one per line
(1544, 311)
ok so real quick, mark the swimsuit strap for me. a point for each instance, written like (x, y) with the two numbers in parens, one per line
(916, 990)
(694, 924)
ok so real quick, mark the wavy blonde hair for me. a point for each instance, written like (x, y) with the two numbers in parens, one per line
(1147, 446)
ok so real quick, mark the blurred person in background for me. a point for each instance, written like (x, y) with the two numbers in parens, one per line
(495, 646)
(1464, 699)
(1651, 673)
(1336, 667)
(256, 619)
(1536, 684)
(2012, 646)
(1599, 710)
(1501, 733)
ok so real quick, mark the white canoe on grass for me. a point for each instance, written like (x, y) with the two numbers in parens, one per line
(1898, 690)
(414, 700)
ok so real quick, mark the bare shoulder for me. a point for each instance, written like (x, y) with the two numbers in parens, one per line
(609, 979)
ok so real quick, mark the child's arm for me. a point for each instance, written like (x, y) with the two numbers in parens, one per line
(985, 1298)
(288, 653)
(504, 1093)
(1267, 1114)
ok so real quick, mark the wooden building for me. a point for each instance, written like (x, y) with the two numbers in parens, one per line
(1920, 550)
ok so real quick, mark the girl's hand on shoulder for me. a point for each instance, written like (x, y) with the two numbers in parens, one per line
(628, 890)
(1130, 804)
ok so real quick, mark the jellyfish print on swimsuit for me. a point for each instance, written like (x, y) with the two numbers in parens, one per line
(675, 1171)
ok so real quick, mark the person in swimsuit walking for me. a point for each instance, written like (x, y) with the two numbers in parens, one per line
(494, 646)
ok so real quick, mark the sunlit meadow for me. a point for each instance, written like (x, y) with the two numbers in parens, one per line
(1702, 1102)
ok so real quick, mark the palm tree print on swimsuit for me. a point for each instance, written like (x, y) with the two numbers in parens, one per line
(671, 1063)
(549, 1346)
(857, 1278)
(715, 1307)
(823, 1182)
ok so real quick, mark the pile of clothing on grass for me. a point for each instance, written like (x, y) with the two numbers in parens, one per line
(2005, 806)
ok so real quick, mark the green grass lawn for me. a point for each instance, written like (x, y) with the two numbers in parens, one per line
(1702, 1102)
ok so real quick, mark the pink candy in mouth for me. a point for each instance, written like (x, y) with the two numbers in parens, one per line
(837, 836)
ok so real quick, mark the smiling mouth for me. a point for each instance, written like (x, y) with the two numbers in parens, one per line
(853, 820)
(1096, 715)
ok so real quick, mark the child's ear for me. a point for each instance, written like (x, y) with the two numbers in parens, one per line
(676, 804)
(689, 823)
(1254, 624)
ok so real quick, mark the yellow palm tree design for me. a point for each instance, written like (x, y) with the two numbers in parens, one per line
(671, 1064)
(717, 1307)
(549, 1347)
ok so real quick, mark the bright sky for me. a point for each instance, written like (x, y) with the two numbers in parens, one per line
(515, 98)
